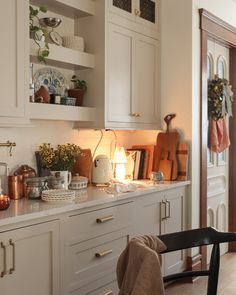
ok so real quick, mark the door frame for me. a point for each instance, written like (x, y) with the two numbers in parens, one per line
(212, 27)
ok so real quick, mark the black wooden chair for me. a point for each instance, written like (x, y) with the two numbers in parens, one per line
(196, 238)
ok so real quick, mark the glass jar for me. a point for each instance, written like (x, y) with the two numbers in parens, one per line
(35, 186)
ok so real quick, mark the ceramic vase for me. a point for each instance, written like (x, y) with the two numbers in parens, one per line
(66, 176)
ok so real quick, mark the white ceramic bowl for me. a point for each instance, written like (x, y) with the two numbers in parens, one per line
(73, 42)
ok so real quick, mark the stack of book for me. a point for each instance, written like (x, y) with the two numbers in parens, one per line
(140, 164)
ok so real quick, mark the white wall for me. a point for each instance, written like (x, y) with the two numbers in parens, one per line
(56, 132)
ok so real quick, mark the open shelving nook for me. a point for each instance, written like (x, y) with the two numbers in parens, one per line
(65, 58)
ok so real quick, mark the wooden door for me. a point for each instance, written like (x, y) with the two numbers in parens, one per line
(217, 171)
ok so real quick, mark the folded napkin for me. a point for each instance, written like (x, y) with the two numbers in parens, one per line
(118, 188)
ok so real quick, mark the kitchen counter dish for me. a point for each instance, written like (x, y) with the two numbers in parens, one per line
(26, 210)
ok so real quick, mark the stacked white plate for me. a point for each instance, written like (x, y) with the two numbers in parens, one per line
(58, 195)
(73, 42)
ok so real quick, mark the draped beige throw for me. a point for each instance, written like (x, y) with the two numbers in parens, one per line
(139, 269)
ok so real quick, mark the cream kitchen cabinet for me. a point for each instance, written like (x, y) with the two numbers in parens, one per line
(126, 80)
(132, 77)
(173, 219)
(29, 260)
(14, 62)
(142, 14)
(163, 212)
(93, 242)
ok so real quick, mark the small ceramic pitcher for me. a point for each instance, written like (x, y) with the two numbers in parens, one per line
(65, 174)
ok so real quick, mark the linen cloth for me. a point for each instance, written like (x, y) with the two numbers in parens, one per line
(219, 138)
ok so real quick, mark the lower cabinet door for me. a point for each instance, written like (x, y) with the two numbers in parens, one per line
(29, 260)
(174, 221)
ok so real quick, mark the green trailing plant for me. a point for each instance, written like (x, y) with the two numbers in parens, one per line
(38, 32)
(78, 84)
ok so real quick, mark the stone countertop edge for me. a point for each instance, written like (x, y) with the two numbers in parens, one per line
(27, 210)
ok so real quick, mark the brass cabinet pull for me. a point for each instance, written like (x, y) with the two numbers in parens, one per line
(4, 272)
(168, 216)
(108, 292)
(13, 256)
(104, 253)
(165, 217)
(136, 115)
(105, 219)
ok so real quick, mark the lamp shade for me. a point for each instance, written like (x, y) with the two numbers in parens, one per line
(120, 156)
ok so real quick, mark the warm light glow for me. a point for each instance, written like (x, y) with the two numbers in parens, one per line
(120, 172)
(120, 160)
(119, 156)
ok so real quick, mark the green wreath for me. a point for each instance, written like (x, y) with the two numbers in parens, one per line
(220, 98)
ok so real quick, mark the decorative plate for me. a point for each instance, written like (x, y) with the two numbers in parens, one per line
(51, 78)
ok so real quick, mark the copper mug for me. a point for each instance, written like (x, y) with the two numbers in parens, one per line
(15, 186)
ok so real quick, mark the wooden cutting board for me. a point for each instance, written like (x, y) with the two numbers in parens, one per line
(83, 164)
(182, 158)
(165, 165)
(167, 141)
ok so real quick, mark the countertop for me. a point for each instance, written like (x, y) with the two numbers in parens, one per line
(24, 209)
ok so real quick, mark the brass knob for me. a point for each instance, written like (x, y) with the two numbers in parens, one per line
(137, 12)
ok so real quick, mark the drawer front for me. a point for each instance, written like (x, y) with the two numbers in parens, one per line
(94, 259)
(105, 286)
(95, 223)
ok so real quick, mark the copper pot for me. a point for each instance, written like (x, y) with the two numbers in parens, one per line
(25, 171)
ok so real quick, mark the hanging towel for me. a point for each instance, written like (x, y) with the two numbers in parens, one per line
(219, 138)
(139, 269)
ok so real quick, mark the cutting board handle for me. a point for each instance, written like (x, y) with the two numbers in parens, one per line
(168, 119)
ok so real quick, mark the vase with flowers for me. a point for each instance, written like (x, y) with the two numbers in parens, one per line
(60, 160)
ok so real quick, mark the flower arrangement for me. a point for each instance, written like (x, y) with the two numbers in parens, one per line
(60, 159)
(220, 98)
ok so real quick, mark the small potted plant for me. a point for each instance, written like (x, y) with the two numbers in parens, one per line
(38, 32)
(78, 91)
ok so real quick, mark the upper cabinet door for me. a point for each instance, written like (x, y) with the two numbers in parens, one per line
(123, 8)
(145, 98)
(142, 12)
(147, 12)
(14, 58)
(120, 73)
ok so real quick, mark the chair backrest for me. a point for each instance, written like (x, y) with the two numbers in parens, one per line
(196, 238)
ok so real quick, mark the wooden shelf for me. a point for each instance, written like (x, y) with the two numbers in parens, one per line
(63, 57)
(69, 8)
(43, 111)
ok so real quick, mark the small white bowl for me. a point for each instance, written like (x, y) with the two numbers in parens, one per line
(73, 42)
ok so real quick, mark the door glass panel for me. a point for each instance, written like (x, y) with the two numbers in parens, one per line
(221, 68)
(147, 9)
(209, 66)
(123, 4)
